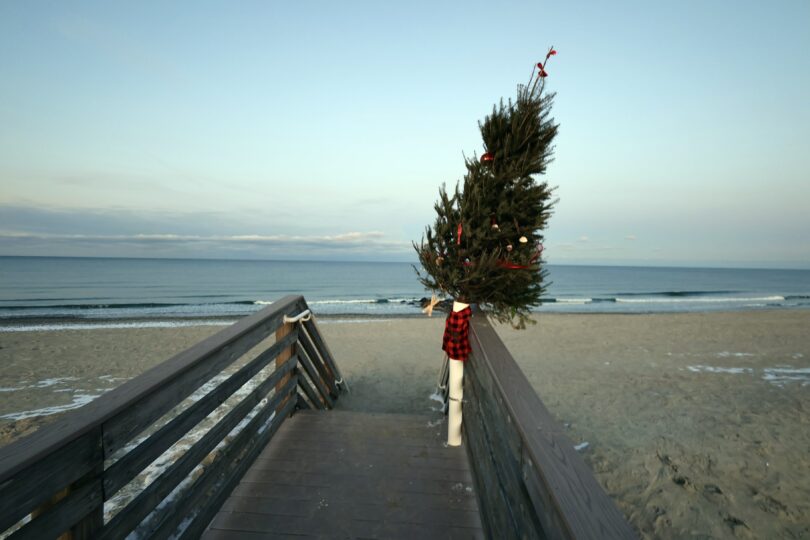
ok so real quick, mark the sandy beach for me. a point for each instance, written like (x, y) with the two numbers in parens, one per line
(698, 425)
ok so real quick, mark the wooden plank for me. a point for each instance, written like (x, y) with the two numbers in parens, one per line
(315, 378)
(63, 515)
(27, 489)
(504, 446)
(130, 465)
(579, 506)
(302, 403)
(173, 383)
(314, 401)
(351, 491)
(230, 480)
(197, 500)
(53, 438)
(323, 348)
(281, 333)
(326, 375)
(495, 511)
(134, 512)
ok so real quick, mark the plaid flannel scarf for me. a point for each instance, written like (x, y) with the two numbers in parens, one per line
(456, 342)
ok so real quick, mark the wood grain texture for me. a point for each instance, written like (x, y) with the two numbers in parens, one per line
(52, 437)
(181, 375)
(202, 496)
(314, 401)
(520, 450)
(341, 474)
(132, 514)
(315, 379)
(68, 457)
(27, 489)
(325, 373)
(231, 476)
(312, 329)
(131, 464)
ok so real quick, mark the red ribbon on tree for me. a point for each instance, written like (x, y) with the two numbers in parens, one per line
(458, 234)
(513, 266)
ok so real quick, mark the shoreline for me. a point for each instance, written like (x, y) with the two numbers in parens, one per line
(40, 323)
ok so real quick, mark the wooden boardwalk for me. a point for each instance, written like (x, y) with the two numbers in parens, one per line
(342, 474)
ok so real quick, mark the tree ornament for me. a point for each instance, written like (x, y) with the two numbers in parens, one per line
(509, 247)
(523, 239)
(487, 157)
(537, 252)
(459, 229)
(431, 305)
(439, 260)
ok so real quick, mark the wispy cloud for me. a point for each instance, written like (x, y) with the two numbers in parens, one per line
(124, 233)
(373, 240)
(630, 237)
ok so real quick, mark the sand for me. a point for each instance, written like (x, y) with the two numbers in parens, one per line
(698, 425)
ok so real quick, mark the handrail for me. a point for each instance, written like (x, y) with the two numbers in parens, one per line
(530, 481)
(58, 478)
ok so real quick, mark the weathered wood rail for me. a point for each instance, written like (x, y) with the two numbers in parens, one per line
(530, 481)
(56, 481)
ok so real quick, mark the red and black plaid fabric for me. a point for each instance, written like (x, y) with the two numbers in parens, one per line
(456, 342)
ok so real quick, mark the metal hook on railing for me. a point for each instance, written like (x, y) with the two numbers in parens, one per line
(303, 316)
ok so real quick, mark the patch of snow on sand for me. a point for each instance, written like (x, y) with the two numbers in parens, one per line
(713, 369)
(774, 375)
(79, 400)
(780, 376)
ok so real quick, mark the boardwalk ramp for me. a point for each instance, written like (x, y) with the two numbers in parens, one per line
(343, 474)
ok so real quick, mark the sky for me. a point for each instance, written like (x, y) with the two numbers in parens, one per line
(323, 130)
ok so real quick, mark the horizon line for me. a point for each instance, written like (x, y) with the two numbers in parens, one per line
(699, 266)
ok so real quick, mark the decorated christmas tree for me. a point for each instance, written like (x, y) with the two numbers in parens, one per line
(486, 244)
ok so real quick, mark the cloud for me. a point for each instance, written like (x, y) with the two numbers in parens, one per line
(32, 231)
(630, 237)
(373, 240)
(584, 238)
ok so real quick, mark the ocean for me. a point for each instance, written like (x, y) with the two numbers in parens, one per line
(55, 293)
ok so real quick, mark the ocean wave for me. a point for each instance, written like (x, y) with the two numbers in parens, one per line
(716, 299)
(364, 301)
(111, 325)
(674, 293)
(138, 305)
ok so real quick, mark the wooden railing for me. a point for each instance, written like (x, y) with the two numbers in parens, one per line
(530, 481)
(56, 481)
